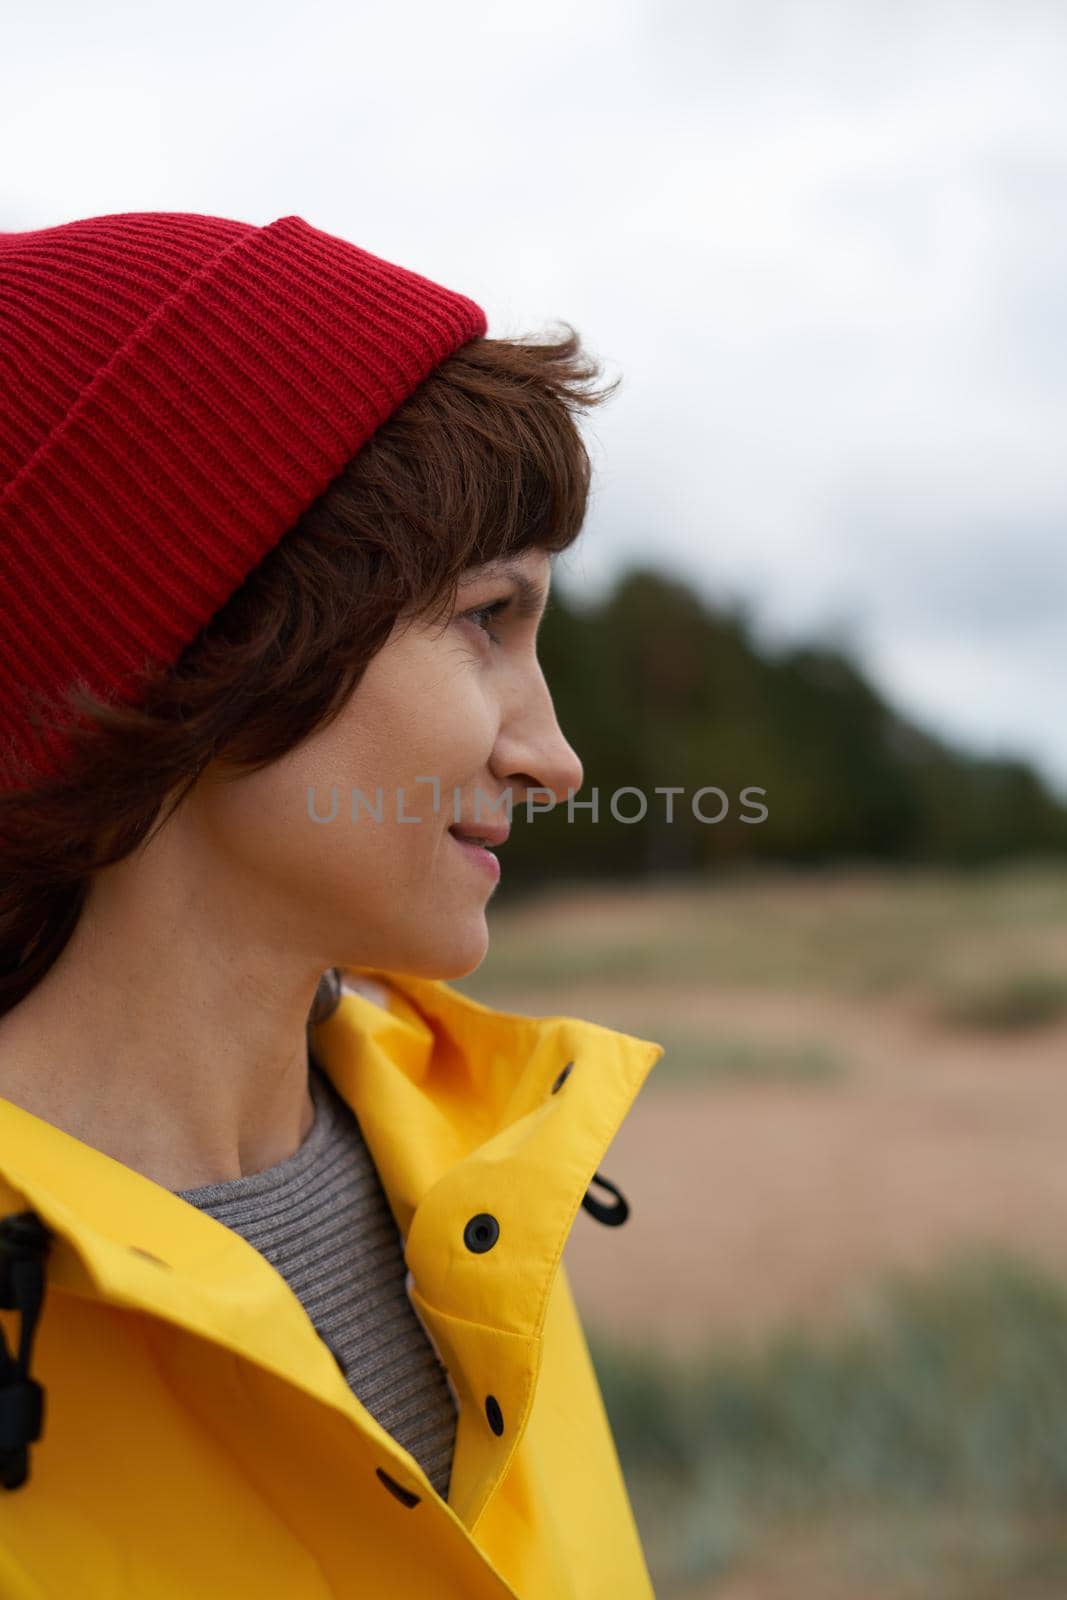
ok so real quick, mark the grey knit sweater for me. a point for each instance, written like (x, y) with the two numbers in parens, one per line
(322, 1220)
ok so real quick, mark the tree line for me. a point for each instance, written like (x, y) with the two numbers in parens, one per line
(657, 690)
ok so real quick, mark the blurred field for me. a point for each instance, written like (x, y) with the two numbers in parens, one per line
(863, 1096)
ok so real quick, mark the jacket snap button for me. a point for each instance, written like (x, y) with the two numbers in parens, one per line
(561, 1080)
(481, 1232)
(493, 1412)
(405, 1496)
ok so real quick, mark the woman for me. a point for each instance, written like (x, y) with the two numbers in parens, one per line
(283, 1212)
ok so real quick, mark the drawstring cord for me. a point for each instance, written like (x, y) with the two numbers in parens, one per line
(24, 1244)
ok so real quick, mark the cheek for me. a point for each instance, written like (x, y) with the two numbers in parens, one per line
(441, 727)
(418, 713)
(267, 845)
(263, 825)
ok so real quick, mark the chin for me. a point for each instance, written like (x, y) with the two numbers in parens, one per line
(458, 952)
(454, 957)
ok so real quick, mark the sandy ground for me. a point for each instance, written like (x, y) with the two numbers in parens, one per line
(760, 1205)
(752, 1204)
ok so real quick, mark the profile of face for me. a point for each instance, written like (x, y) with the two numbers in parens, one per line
(447, 718)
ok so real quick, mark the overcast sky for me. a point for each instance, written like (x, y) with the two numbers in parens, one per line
(824, 244)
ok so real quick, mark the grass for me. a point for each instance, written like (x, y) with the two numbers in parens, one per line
(691, 1055)
(842, 931)
(1008, 1002)
(947, 1403)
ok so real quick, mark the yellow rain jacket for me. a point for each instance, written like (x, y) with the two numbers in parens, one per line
(197, 1440)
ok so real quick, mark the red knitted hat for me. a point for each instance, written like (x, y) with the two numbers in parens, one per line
(175, 390)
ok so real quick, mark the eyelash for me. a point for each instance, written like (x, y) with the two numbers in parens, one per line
(491, 610)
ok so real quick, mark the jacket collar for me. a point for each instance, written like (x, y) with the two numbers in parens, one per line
(484, 1133)
(455, 1102)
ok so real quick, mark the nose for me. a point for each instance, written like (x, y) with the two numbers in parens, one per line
(531, 751)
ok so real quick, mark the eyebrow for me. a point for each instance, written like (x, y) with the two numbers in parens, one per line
(529, 596)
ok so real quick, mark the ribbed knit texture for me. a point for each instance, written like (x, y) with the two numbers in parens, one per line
(175, 389)
(322, 1220)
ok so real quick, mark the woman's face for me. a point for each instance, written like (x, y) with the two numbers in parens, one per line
(464, 703)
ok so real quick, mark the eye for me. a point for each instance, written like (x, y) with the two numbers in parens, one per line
(481, 615)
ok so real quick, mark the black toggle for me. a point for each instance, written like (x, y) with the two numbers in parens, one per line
(611, 1216)
(24, 1244)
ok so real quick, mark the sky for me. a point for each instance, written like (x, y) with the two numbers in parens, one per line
(823, 243)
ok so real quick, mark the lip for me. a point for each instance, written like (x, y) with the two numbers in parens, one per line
(484, 858)
(497, 835)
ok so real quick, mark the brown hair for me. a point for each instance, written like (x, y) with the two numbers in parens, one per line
(483, 459)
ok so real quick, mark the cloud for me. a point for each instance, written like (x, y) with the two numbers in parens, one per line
(824, 245)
